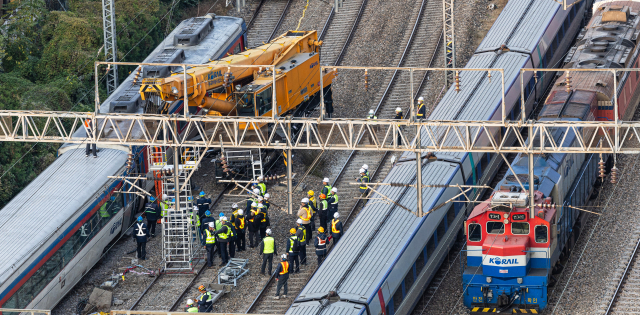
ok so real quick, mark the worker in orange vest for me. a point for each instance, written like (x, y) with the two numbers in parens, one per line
(282, 275)
(90, 146)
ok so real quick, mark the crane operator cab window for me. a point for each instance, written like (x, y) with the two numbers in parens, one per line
(244, 102)
(264, 100)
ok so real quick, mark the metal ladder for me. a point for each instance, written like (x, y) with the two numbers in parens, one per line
(256, 164)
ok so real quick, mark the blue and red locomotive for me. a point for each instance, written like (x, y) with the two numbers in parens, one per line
(512, 251)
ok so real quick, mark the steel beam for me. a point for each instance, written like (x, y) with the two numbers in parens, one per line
(110, 45)
(448, 26)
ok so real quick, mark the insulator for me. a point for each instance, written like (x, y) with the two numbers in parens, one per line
(135, 79)
(366, 80)
(457, 77)
(601, 168)
(489, 76)
(535, 76)
(567, 81)
(614, 175)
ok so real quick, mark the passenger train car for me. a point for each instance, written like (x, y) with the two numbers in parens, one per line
(512, 252)
(387, 257)
(57, 228)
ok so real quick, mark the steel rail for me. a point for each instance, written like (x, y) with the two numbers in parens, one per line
(145, 291)
(255, 14)
(622, 278)
(177, 302)
(351, 33)
(275, 29)
(327, 23)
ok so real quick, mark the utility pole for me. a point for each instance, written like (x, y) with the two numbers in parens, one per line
(110, 48)
(449, 39)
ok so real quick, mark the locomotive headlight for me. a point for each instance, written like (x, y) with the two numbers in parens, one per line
(174, 90)
(488, 279)
(506, 221)
(519, 280)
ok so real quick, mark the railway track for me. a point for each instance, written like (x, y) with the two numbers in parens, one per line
(379, 164)
(626, 296)
(266, 21)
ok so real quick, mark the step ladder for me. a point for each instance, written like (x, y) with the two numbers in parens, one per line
(181, 238)
(256, 163)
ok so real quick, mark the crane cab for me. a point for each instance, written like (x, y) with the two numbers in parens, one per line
(253, 100)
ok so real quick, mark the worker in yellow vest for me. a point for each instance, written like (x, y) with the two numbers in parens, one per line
(210, 242)
(267, 250)
(301, 233)
(336, 228)
(314, 208)
(305, 215)
(240, 222)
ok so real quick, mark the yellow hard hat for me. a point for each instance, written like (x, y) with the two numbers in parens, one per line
(292, 231)
(310, 192)
(321, 229)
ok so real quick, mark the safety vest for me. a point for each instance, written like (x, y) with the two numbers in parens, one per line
(253, 214)
(103, 210)
(285, 267)
(164, 206)
(192, 309)
(264, 219)
(218, 225)
(333, 226)
(195, 219)
(308, 216)
(322, 242)
(304, 234)
(336, 199)
(241, 223)
(312, 200)
(291, 239)
(328, 187)
(325, 204)
(362, 183)
(211, 239)
(230, 231)
(140, 230)
(420, 106)
(225, 236)
(263, 188)
(87, 123)
(372, 117)
(208, 296)
(269, 244)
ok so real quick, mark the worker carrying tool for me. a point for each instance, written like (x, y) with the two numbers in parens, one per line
(421, 113)
(282, 276)
(140, 233)
(210, 244)
(399, 116)
(293, 249)
(151, 211)
(305, 216)
(301, 233)
(205, 300)
(224, 234)
(254, 225)
(336, 228)
(191, 308)
(333, 202)
(320, 243)
(326, 188)
(203, 204)
(240, 223)
(323, 211)
(363, 180)
(204, 224)
(314, 209)
(267, 250)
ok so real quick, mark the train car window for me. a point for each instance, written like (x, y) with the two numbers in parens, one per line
(495, 227)
(541, 234)
(236, 49)
(475, 232)
(263, 100)
(520, 228)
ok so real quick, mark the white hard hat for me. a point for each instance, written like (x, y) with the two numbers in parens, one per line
(195, 208)
(211, 224)
(256, 191)
(260, 206)
(253, 204)
(398, 109)
(371, 112)
(240, 212)
(260, 178)
(284, 256)
(234, 206)
(267, 195)
(299, 221)
(268, 231)
(334, 189)
(362, 170)
(336, 215)
(165, 197)
(365, 166)
(225, 218)
(420, 98)
(189, 302)
(326, 179)
(305, 200)
(260, 198)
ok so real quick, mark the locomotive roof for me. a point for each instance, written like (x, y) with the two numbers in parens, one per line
(31, 219)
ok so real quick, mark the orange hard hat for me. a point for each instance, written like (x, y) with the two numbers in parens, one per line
(201, 288)
(323, 196)
(292, 231)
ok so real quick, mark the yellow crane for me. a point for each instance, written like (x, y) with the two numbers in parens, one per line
(225, 90)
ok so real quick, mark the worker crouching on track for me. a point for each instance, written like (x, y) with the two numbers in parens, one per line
(301, 233)
(140, 233)
(282, 276)
(336, 228)
(205, 300)
(267, 250)
(293, 248)
(305, 215)
(210, 246)
(224, 235)
(320, 243)
(191, 308)
(253, 226)
(240, 222)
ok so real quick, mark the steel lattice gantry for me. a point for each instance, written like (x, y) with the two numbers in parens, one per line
(449, 39)
(110, 46)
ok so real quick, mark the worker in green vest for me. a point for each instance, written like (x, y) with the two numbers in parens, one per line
(191, 308)
(267, 250)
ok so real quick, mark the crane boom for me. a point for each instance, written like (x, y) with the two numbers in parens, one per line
(211, 76)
